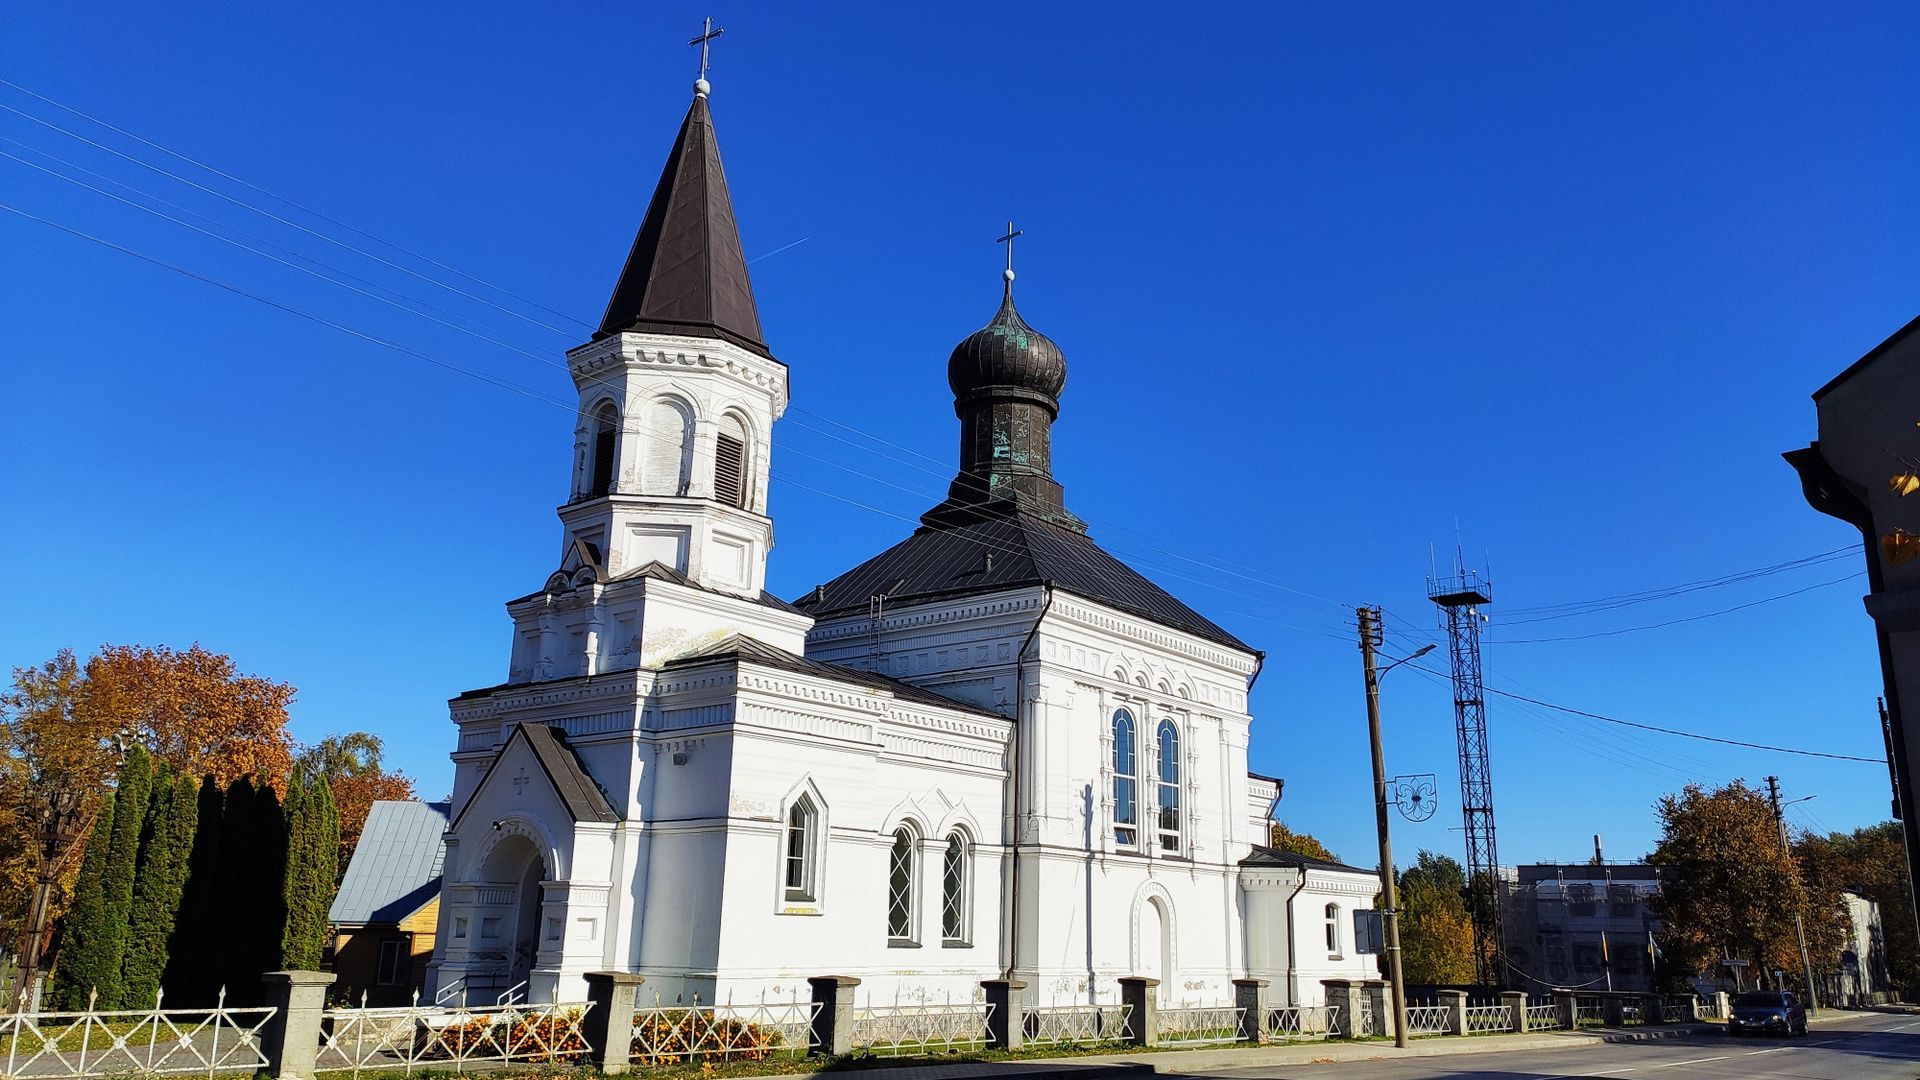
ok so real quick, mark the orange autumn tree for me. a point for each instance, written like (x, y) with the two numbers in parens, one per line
(194, 711)
(351, 766)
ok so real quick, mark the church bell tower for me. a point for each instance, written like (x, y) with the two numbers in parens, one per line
(678, 396)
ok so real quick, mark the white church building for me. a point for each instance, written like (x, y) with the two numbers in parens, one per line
(992, 750)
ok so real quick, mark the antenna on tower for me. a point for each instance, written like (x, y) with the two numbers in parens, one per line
(1460, 598)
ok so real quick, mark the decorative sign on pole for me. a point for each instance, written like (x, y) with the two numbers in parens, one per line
(1415, 795)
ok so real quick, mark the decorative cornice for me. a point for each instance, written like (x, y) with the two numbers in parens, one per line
(1115, 623)
(630, 351)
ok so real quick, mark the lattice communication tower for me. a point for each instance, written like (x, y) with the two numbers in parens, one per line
(1460, 599)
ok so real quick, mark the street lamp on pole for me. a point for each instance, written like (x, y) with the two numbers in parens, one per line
(1389, 893)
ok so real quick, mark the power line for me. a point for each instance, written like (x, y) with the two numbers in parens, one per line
(1688, 619)
(1550, 612)
(1671, 731)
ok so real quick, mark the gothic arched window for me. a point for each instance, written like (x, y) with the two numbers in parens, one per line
(606, 449)
(953, 891)
(730, 462)
(1126, 781)
(900, 888)
(801, 861)
(1169, 823)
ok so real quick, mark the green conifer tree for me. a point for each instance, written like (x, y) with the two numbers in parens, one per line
(313, 840)
(194, 969)
(77, 968)
(131, 794)
(157, 886)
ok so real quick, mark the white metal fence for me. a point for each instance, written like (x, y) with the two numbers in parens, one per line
(1543, 1017)
(154, 1041)
(677, 1034)
(456, 1038)
(917, 1030)
(1063, 1024)
(1428, 1019)
(1303, 1021)
(1486, 1019)
(1191, 1025)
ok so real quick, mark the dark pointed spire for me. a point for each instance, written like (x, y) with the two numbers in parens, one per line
(686, 274)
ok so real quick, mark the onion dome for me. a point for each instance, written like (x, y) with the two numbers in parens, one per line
(1007, 355)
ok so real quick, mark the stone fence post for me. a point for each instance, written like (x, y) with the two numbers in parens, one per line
(1384, 1018)
(1653, 1009)
(291, 1040)
(1569, 1003)
(608, 1026)
(1689, 1008)
(1516, 1003)
(1344, 995)
(1615, 1010)
(833, 1014)
(1455, 1002)
(1722, 1008)
(1006, 1013)
(1250, 997)
(1143, 1024)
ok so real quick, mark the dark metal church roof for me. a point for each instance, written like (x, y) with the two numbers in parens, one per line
(686, 274)
(992, 553)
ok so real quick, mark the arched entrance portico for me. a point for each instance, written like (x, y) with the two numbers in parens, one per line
(517, 868)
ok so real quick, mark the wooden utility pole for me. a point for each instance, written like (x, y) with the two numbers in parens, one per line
(1390, 900)
(1800, 901)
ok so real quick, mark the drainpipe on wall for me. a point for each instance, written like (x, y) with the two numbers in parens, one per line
(1019, 699)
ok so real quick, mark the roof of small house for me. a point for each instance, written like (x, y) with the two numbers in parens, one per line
(1266, 856)
(395, 868)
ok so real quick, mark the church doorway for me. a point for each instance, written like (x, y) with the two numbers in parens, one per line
(528, 901)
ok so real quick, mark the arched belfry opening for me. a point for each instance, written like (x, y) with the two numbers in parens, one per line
(606, 449)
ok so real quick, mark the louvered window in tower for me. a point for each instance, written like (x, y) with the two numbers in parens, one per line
(730, 462)
(606, 433)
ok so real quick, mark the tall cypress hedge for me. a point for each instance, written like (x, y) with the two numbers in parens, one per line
(77, 968)
(313, 845)
(194, 974)
(171, 816)
(129, 819)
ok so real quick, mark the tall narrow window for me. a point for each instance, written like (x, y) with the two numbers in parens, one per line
(802, 831)
(953, 891)
(900, 888)
(1169, 823)
(1126, 780)
(606, 433)
(1333, 929)
(730, 462)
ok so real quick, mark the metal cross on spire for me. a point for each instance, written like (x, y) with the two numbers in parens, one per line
(1008, 240)
(708, 34)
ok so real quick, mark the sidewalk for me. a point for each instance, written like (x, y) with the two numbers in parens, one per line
(1204, 1059)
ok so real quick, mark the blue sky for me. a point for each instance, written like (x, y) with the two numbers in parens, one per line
(1336, 284)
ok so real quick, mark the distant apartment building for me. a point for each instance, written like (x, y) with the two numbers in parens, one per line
(1580, 925)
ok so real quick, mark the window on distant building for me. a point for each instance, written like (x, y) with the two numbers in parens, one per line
(392, 970)
(900, 888)
(1126, 782)
(1169, 803)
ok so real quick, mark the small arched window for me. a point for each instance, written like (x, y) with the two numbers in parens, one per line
(730, 462)
(1333, 929)
(953, 891)
(606, 449)
(1126, 781)
(801, 862)
(900, 888)
(1169, 822)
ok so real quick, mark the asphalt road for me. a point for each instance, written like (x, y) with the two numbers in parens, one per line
(1870, 1046)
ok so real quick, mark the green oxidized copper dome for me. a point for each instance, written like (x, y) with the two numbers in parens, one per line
(1007, 355)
